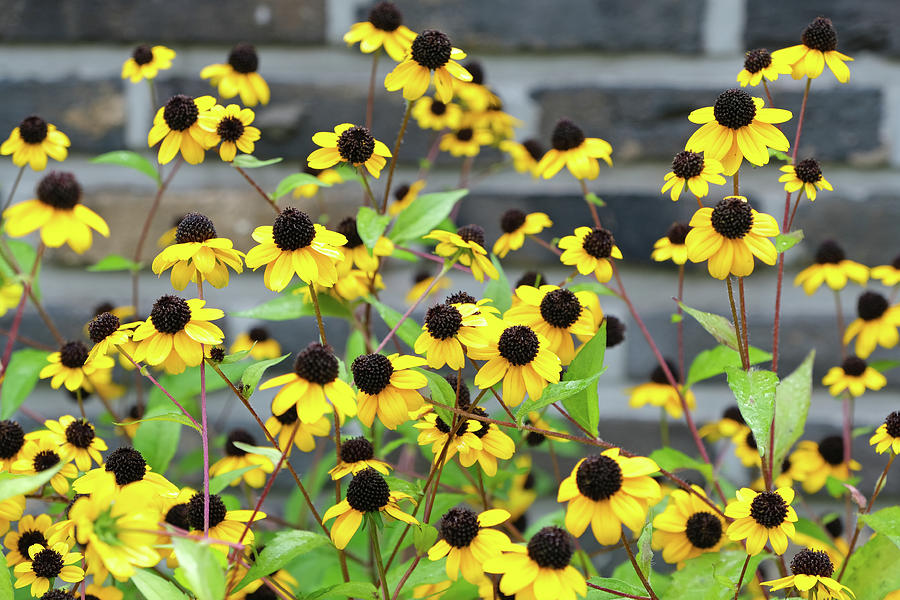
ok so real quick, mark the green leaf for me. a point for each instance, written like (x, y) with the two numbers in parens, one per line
(594, 199)
(255, 371)
(711, 576)
(716, 325)
(441, 391)
(498, 289)
(786, 241)
(710, 363)
(613, 584)
(132, 160)
(266, 451)
(6, 588)
(755, 395)
(114, 262)
(645, 553)
(199, 564)
(353, 589)
(237, 356)
(424, 536)
(554, 392)
(292, 306)
(22, 375)
(886, 522)
(248, 161)
(424, 214)
(884, 365)
(409, 330)
(356, 346)
(295, 180)
(223, 480)
(872, 571)
(172, 416)
(283, 548)
(24, 255)
(593, 286)
(810, 528)
(676, 318)
(25, 484)
(792, 397)
(157, 440)
(370, 226)
(779, 155)
(584, 406)
(154, 587)
(671, 459)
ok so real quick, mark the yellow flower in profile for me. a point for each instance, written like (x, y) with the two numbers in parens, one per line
(731, 423)
(387, 386)
(887, 436)
(383, 29)
(658, 392)
(831, 267)
(146, 62)
(358, 454)
(876, 324)
(855, 376)
(435, 432)
(729, 236)
(235, 526)
(259, 342)
(30, 530)
(75, 438)
(107, 333)
(502, 125)
(811, 575)
(308, 190)
(295, 245)
(760, 63)
(238, 458)
(474, 94)
(694, 170)
(525, 156)
(590, 251)
(466, 141)
(72, 366)
(198, 254)
(33, 141)
(421, 282)
(430, 53)
(761, 517)
(688, 527)
(746, 448)
(516, 225)
(431, 113)
(281, 426)
(574, 151)
(404, 195)
(448, 328)
(889, 275)
(239, 76)
(124, 472)
(352, 144)
(58, 213)
(177, 126)
(467, 247)
(368, 492)
(737, 127)
(174, 334)
(45, 564)
(817, 50)
(229, 125)
(672, 246)
(41, 454)
(805, 175)
(494, 444)
(11, 510)
(821, 461)
(467, 541)
(356, 252)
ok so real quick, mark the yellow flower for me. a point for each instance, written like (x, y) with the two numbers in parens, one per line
(75, 438)
(358, 454)
(198, 254)
(177, 125)
(737, 127)
(447, 328)
(760, 517)
(72, 366)
(746, 448)
(45, 564)
(475, 95)
(574, 151)
(818, 49)
(103, 592)
(356, 252)
(239, 76)
(525, 156)
(235, 526)
(672, 246)
(466, 141)
(887, 436)
(821, 461)
(176, 332)
(494, 445)
(658, 392)
(467, 247)
(283, 425)
(434, 431)
(30, 530)
(855, 376)
(33, 141)
(758, 64)
(811, 575)
(729, 236)
(229, 125)
(889, 275)
(430, 53)
(502, 125)
(308, 190)
(124, 472)
(295, 245)
(694, 170)
(387, 386)
(146, 62)
(467, 541)
(238, 458)
(10, 295)
(516, 225)
(431, 113)
(351, 285)
(688, 527)
(831, 267)
(404, 196)
(590, 250)
(805, 175)
(385, 29)
(422, 282)
(349, 143)
(58, 213)
(435, 591)
(107, 333)
(790, 473)
(876, 326)
(11, 511)
(367, 492)
(258, 342)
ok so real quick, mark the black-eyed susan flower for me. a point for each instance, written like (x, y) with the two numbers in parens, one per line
(258, 342)
(516, 225)
(495, 445)
(817, 50)
(11, 510)
(367, 492)
(436, 432)
(729, 236)
(431, 113)
(125, 471)
(422, 281)
(658, 392)
(282, 426)
(475, 94)
(521, 358)
(887, 436)
(854, 376)
(296, 245)
(351, 285)
(430, 53)
(356, 252)
(387, 387)
(33, 141)
(525, 155)
(466, 141)
(889, 275)
(176, 332)
(761, 517)
(45, 564)
(146, 62)
(555, 313)
(572, 150)
(746, 447)
(693, 170)
(238, 458)
(615, 331)
(590, 250)
(58, 213)
(534, 439)
(30, 530)
(230, 126)
(308, 190)
(607, 491)
(177, 126)
(672, 246)
(687, 527)
(383, 29)
(235, 526)
(501, 124)
(313, 384)
(805, 175)
(737, 127)
(731, 423)
(351, 144)
(12, 441)
(77, 438)
(404, 195)
(876, 324)
(823, 460)
(811, 575)
(72, 366)
(107, 333)
(448, 328)
(467, 541)
(540, 570)
(358, 454)
(831, 267)
(467, 247)
(239, 76)
(760, 63)
(198, 254)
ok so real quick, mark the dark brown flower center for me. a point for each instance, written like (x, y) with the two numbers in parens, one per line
(566, 135)
(178, 516)
(535, 149)
(127, 464)
(437, 108)
(854, 366)
(551, 547)
(194, 227)
(750, 440)
(431, 49)
(476, 70)
(243, 58)
(44, 460)
(734, 109)
(769, 509)
(472, 233)
(102, 326)
(385, 16)
(703, 530)
(459, 526)
(829, 252)
(73, 354)
(293, 229)
(518, 344)
(757, 60)
(677, 233)
(241, 436)
(47, 564)
(180, 112)
(658, 375)
(356, 145)
(615, 331)
(356, 450)
(170, 314)
(871, 305)
(195, 513)
(598, 477)
(808, 170)
(258, 334)
(531, 278)
(368, 491)
(820, 35)
(732, 218)
(27, 539)
(60, 190)
(317, 364)
(598, 243)
(230, 129)
(372, 373)
(80, 434)
(217, 354)
(832, 449)
(443, 321)
(143, 54)
(560, 308)
(812, 562)
(348, 229)
(687, 164)
(465, 134)
(460, 297)
(512, 220)
(892, 424)
(33, 129)
(734, 413)
(288, 417)
(401, 192)
(12, 438)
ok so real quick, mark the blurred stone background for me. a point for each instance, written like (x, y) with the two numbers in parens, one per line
(627, 72)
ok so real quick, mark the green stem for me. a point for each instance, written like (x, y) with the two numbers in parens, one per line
(315, 300)
(396, 152)
(637, 569)
(740, 582)
(376, 553)
(12, 191)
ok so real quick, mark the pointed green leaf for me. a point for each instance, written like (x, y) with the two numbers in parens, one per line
(17, 485)
(786, 241)
(424, 214)
(223, 480)
(295, 180)
(755, 395)
(711, 576)
(555, 392)
(172, 416)
(710, 363)
(792, 398)
(872, 571)
(114, 262)
(370, 226)
(716, 325)
(132, 160)
(671, 459)
(886, 522)
(498, 289)
(266, 451)
(441, 391)
(248, 161)
(154, 587)
(280, 551)
(21, 376)
(584, 406)
(409, 330)
(200, 567)
(290, 306)
(592, 286)
(255, 371)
